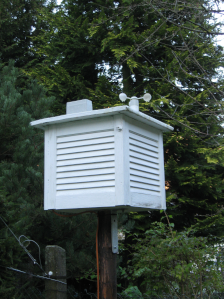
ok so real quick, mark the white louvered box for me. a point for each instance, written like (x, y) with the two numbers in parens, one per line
(103, 159)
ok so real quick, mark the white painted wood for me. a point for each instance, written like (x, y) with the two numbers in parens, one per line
(143, 169)
(119, 159)
(50, 168)
(84, 136)
(81, 153)
(145, 163)
(110, 158)
(82, 200)
(86, 126)
(47, 173)
(144, 180)
(126, 174)
(146, 139)
(142, 187)
(74, 144)
(84, 154)
(78, 194)
(143, 156)
(86, 173)
(91, 148)
(85, 185)
(162, 173)
(85, 160)
(89, 178)
(144, 151)
(144, 174)
(139, 116)
(146, 201)
(91, 166)
(138, 144)
(79, 106)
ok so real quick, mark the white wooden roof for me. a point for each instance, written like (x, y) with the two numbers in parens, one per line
(126, 110)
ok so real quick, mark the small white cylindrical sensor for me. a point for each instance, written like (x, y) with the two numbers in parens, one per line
(134, 104)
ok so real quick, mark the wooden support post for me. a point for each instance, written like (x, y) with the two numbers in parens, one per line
(107, 259)
(55, 265)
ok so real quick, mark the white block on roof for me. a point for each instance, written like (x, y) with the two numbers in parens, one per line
(79, 106)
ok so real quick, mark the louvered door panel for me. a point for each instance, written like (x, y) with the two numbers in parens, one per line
(85, 162)
(144, 164)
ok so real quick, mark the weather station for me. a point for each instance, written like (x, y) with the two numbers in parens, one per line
(108, 161)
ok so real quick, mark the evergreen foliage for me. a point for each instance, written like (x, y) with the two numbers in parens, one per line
(18, 24)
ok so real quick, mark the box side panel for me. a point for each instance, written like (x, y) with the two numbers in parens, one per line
(85, 164)
(86, 200)
(146, 166)
(49, 167)
(145, 201)
(144, 161)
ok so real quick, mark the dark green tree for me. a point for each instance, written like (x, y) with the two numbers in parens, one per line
(73, 65)
(18, 24)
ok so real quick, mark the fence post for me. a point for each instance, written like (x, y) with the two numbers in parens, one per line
(55, 264)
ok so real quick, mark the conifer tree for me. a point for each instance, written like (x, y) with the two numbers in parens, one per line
(18, 24)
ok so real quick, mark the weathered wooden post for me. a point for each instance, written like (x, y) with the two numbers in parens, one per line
(107, 259)
(104, 160)
(55, 267)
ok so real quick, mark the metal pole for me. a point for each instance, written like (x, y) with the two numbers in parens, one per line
(107, 259)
